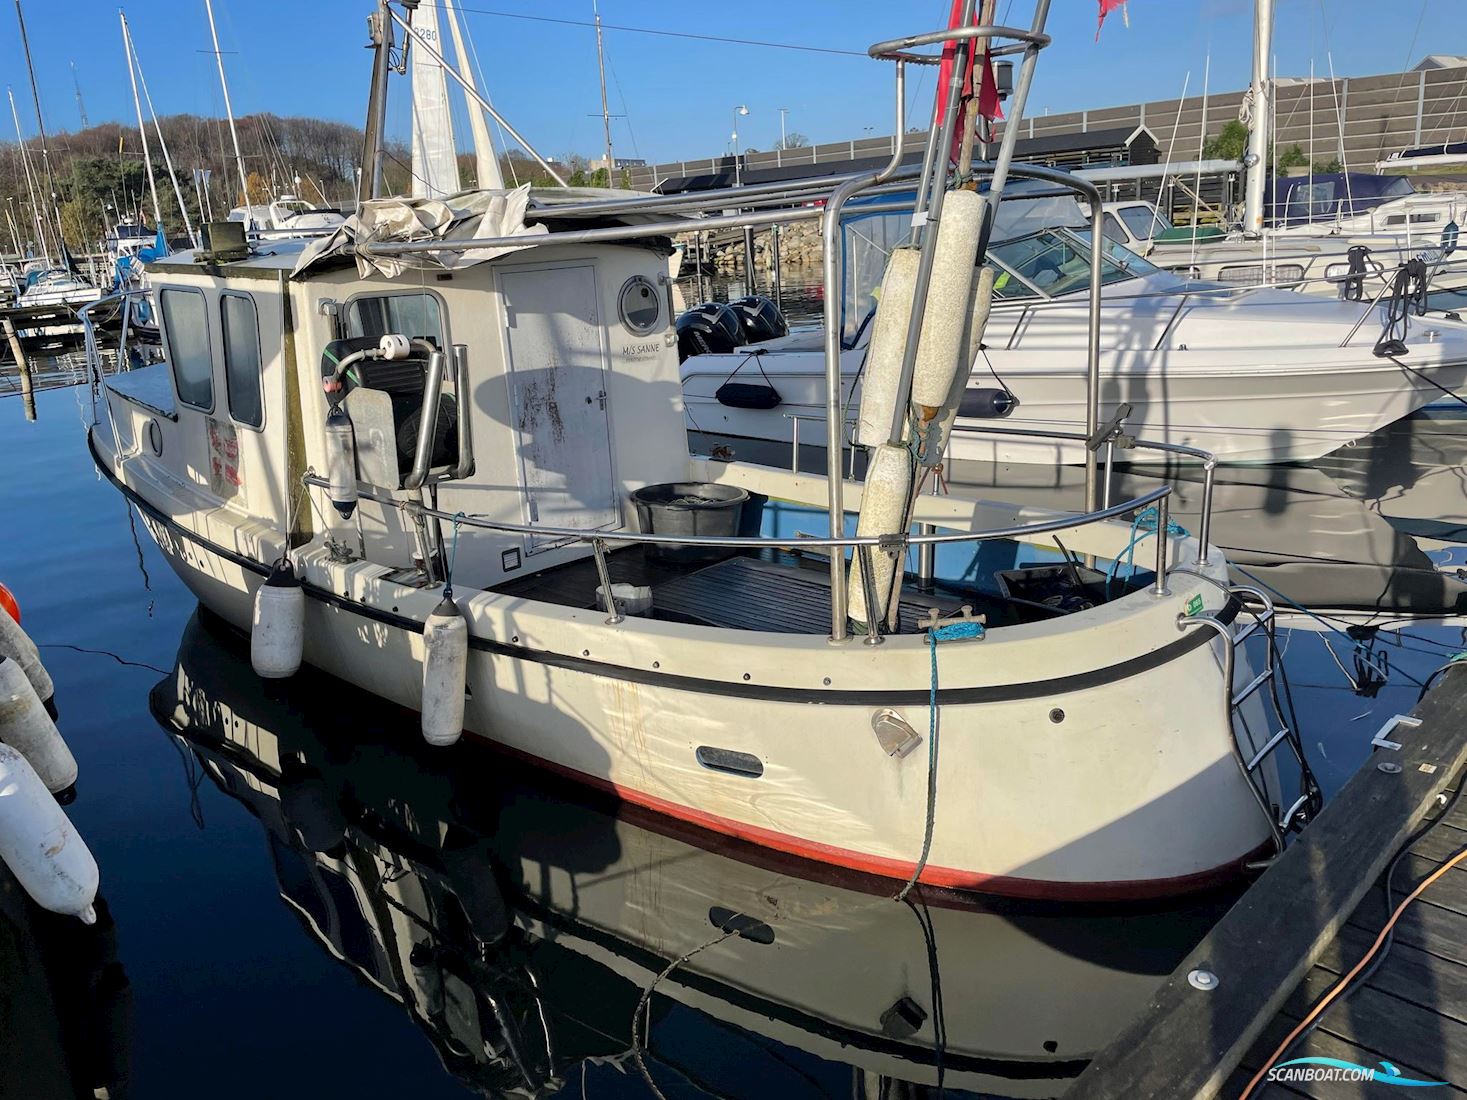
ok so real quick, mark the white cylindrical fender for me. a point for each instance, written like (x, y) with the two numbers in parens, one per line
(445, 672)
(883, 369)
(982, 304)
(341, 462)
(16, 644)
(949, 299)
(40, 845)
(884, 500)
(278, 626)
(26, 727)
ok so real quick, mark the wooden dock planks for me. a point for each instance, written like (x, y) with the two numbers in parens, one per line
(1307, 920)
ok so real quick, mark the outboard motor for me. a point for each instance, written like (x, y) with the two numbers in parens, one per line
(710, 328)
(760, 318)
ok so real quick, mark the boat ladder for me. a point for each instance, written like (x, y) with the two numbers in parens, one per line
(1250, 755)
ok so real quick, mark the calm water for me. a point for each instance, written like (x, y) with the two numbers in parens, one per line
(300, 892)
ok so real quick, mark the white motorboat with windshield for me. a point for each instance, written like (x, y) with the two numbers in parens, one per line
(1248, 375)
(1068, 729)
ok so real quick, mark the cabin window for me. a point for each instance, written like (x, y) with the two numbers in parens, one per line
(186, 330)
(1143, 222)
(416, 316)
(241, 330)
(1112, 229)
(1423, 219)
(1395, 219)
(638, 306)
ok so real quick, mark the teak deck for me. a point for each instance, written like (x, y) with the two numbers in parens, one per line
(1306, 921)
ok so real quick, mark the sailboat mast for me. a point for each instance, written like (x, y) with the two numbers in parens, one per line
(244, 183)
(142, 130)
(188, 225)
(1256, 161)
(605, 113)
(30, 179)
(25, 43)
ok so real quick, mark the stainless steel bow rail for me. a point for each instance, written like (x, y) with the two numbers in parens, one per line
(862, 545)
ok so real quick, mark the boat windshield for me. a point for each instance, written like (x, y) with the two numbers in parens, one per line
(1042, 264)
(1056, 261)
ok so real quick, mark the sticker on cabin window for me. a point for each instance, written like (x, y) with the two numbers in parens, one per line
(224, 476)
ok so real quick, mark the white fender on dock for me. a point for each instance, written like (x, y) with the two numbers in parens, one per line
(26, 727)
(16, 644)
(278, 626)
(341, 462)
(445, 672)
(941, 352)
(884, 353)
(883, 512)
(40, 845)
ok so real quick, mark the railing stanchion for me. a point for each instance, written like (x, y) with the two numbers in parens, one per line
(1204, 527)
(598, 549)
(1163, 543)
(795, 445)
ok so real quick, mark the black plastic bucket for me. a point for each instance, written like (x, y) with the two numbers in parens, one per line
(693, 508)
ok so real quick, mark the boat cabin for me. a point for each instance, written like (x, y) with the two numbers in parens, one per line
(559, 396)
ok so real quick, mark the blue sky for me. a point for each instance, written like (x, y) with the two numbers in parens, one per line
(305, 57)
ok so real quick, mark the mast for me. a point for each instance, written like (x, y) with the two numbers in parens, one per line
(30, 179)
(142, 130)
(605, 113)
(244, 183)
(40, 123)
(369, 172)
(1256, 161)
(188, 225)
(81, 108)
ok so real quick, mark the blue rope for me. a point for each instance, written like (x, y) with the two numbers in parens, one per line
(959, 631)
(458, 518)
(1144, 524)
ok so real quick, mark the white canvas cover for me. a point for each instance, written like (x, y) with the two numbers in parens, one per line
(467, 215)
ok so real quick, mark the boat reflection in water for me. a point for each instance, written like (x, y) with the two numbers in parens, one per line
(519, 929)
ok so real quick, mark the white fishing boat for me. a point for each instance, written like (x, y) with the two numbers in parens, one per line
(771, 690)
(574, 908)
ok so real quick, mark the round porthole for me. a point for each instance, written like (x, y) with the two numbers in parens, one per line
(155, 437)
(638, 305)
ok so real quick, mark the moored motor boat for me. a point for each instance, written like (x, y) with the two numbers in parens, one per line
(478, 444)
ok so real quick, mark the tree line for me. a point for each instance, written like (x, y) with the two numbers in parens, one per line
(100, 177)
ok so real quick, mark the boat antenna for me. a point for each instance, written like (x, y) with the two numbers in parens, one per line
(244, 183)
(605, 113)
(40, 123)
(142, 130)
(81, 108)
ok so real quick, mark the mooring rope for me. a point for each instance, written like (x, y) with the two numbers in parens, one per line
(960, 631)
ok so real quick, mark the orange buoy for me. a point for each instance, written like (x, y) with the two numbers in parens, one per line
(7, 602)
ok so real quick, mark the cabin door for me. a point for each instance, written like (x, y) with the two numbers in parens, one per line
(557, 379)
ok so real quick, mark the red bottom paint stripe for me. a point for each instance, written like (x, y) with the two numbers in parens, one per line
(900, 870)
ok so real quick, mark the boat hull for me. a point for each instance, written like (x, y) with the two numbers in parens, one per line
(1084, 775)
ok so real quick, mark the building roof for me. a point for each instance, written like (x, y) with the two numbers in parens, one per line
(1440, 61)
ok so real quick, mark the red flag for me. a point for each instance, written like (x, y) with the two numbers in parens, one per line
(1106, 7)
(988, 105)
